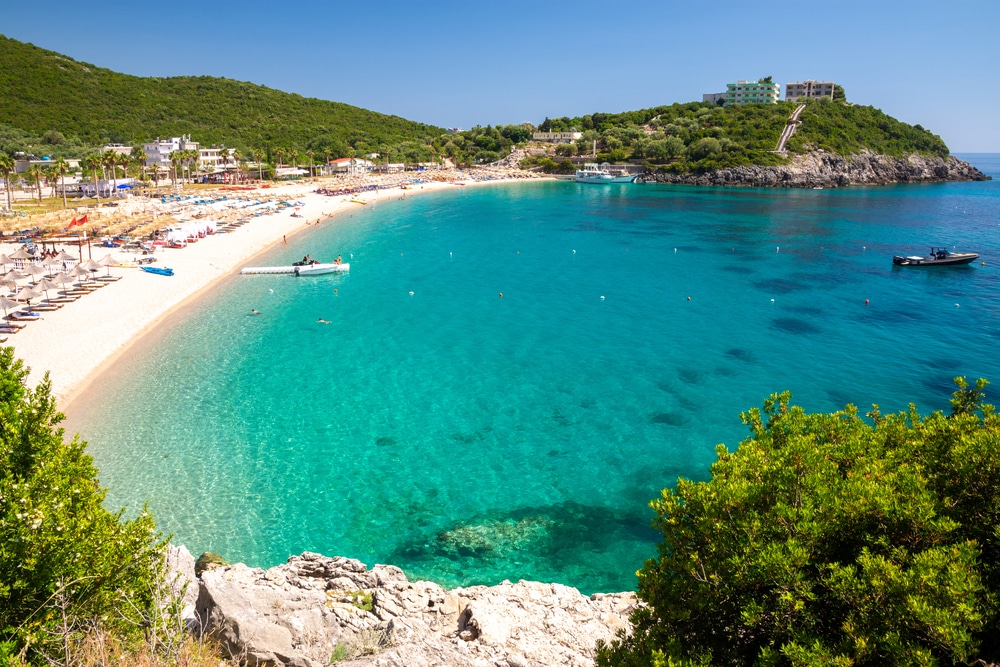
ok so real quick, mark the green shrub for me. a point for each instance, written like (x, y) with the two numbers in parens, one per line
(825, 539)
(67, 564)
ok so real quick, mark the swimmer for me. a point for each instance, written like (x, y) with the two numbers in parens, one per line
(254, 311)
(322, 321)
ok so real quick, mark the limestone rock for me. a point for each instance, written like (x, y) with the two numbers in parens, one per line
(311, 608)
(822, 169)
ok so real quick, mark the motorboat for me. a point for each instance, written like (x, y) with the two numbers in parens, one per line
(939, 256)
(157, 270)
(594, 173)
(303, 268)
(321, 268)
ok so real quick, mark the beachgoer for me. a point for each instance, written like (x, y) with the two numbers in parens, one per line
(322, 321)
(254, 311)
(338, 260)
(284, 240)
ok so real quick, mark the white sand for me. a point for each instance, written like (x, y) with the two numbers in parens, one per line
(76, 343)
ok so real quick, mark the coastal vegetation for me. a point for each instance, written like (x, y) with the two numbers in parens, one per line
(826, 539)
(700, 136)
(70, 106)
(70, 569)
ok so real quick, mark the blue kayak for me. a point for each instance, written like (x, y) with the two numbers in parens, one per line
(157, 270)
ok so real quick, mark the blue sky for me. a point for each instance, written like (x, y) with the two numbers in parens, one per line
(486, 63)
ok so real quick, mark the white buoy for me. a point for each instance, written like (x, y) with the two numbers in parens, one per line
(675, 249)
(271, 291)
(777, 249)
(411, 293)
(772, 300)
(602, 297)
(574, 252)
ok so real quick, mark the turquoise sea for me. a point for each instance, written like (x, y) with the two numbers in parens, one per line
(471, 438)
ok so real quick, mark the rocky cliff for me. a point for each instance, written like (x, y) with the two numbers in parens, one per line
(315, 609)
(821, 169)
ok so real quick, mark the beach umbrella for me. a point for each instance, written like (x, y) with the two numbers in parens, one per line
(14, 274)
(8, 304)
(62, 278)
(21, 254)
(92, 266)
(110, 261)
(9, 285)
(52, 264)
(5, 260)
(34, 270)
(64, 256)
(27, 294)
(78, 272)
(45, 284)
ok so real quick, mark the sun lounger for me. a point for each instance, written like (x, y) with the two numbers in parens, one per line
(47, 306)
(108, 279)
(8, 330)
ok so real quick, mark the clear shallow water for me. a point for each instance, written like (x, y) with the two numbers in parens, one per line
(470, 438)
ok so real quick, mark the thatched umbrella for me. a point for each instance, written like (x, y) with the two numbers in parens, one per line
(27, 294)
(92, 266)
(21, 253)
(34, 270)
(8, 304)
(5, 260)
(78, 271)
(62, 278)
(110, 261)
(64, 256)
(46, 285)
(14, 274)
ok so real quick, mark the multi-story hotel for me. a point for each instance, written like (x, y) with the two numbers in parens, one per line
(751, 92)
(798, 89)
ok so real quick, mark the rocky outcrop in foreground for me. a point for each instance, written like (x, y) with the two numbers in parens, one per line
(313, 609)
(822, 169)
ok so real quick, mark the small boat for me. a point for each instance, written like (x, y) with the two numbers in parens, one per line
(157, 270)
(299, 269)
(319, 269)
(594, 173)
(937, 257)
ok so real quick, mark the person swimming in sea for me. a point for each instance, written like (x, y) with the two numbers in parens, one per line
(254, 311)
(322, 321)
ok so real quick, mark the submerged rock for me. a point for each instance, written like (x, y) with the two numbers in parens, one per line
(822, 169)
(313, 609)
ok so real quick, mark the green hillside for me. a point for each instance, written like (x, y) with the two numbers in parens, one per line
(698, 136)
(42, 91)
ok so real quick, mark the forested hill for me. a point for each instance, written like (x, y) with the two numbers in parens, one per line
(698, 136)
(43, 91)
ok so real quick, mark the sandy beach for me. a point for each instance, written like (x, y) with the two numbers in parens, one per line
(76, 343)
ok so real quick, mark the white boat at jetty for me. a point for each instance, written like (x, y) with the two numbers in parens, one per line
(298, 269)
(594, 173)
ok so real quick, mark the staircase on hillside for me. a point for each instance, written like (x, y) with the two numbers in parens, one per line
(790, 126)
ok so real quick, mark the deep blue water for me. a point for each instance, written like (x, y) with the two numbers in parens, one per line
(470, 438)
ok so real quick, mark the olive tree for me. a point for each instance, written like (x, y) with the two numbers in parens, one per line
(829, 539)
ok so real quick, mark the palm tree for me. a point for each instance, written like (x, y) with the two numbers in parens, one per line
(236, 156)
(140, 156)
(60, 167)
(279, 153)
(293, 157)
(175, 159)
(94, 163)
(326, 157)
(109, 159)
(37, 174)
(258, 156)
(124, 161)
(311, 153)
(6, 167)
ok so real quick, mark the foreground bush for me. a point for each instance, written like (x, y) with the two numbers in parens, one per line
(825, 539)
(69, 568)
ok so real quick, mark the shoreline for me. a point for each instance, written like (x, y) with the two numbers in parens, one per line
(80, 343)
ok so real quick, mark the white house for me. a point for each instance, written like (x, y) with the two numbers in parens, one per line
(557, 137)
(158, 152)
(350, 166)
